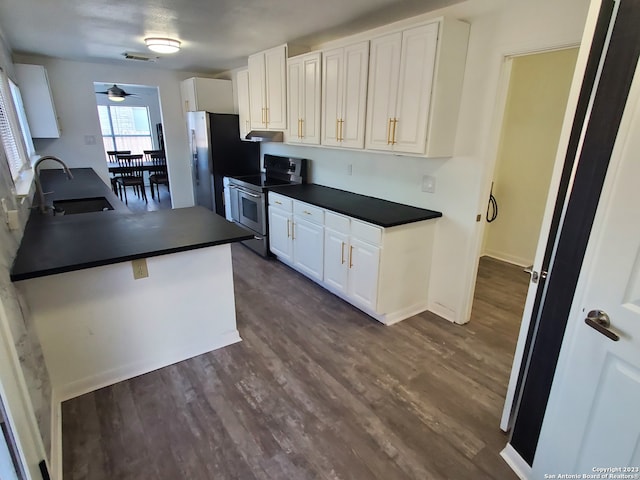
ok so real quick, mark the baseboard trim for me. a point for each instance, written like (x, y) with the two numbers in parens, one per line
(109, 377)
(518, 261)
(56, 438)
(443, 312)
(521, 468)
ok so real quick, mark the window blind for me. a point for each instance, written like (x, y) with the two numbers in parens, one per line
(14, 150)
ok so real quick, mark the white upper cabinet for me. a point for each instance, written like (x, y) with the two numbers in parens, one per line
(268, 89)
(304, 98)
(415, 84)
(206, 94)
(38, 101)
(244, 105)
(344, 95)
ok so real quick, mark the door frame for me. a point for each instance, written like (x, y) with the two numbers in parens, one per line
(597, 137)
(577, 107)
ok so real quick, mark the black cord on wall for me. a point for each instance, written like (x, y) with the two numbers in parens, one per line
(492, 208)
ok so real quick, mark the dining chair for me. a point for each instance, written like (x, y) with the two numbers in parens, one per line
(112, 156)
(134, 176)
(158, 174)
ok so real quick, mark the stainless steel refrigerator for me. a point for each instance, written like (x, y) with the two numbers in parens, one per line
(217, 151)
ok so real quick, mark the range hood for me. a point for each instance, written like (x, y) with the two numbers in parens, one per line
(264, 136)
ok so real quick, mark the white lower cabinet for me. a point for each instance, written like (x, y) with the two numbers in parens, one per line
(280, 241)
(352, 259)
(296, 234)
(308, 247)
(363, 273)
(382, 271)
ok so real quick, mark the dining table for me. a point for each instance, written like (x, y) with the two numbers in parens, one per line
(146, 166)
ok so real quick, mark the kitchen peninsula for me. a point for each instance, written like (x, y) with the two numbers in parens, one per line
(96, 322)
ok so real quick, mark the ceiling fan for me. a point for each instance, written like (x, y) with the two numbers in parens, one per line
(116, 94)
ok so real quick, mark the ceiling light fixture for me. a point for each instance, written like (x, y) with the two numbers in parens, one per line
(162, 45)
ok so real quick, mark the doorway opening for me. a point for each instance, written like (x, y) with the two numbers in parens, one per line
(133, 124)
(534, 107)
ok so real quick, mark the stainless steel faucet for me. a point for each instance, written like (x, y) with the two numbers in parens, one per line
(39, 192)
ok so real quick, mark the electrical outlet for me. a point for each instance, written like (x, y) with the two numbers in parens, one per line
(429, 184)
(89, 139)
(350, 169)
(139, 268)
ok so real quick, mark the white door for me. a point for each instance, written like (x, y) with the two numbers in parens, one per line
(336, 251)
(332, 75)
(384, 70)
(275, 61)
(364, 261)
(295, 102)
(244, 104)
(280, 242)
(414, 89)
(351, 128)
(308, 247)
(592, 418)
(310, 125)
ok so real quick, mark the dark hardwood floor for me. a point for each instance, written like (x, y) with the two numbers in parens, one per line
(137, 204)
(316, 390)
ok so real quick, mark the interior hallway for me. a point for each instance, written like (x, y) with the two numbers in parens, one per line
(316, 389)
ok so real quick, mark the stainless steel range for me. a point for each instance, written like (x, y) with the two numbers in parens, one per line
(247, 196)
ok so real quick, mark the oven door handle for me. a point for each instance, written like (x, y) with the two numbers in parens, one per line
(248, 193)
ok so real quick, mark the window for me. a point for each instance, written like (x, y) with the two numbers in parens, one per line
(125, 128)
(12, 142)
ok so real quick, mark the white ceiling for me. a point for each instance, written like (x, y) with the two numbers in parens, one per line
(216, 35)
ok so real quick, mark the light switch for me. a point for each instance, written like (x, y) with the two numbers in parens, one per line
(429, 184)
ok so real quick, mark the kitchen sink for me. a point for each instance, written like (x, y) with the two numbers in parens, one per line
(81, 205)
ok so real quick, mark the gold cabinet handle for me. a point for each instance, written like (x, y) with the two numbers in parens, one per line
(277, 202)
(288, 222)
(301, 128)
(306, 212)
(389, 131)
(186, 105)
(342, 254)
(350, 256)
(341, 126)
(293, 231)
(393, 136)
(266, 116)
(337, 129)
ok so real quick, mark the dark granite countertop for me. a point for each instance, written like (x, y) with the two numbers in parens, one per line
(58, 244)
(373, 210)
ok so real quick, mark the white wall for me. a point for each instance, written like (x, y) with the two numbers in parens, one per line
(73, 95)
(24, 381)
(462, 182)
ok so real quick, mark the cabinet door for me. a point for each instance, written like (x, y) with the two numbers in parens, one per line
(295, 99)
(276, 87)
(308, 247)
(336, 252)
(364, 260)
(310, 112)
(414, 88)
(244, 104)
(256, 91)
(280, 242)
(356, 59)
(38, 101)
(332, 83)
(384, 66)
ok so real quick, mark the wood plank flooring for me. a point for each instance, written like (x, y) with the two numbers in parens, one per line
(316, 390)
